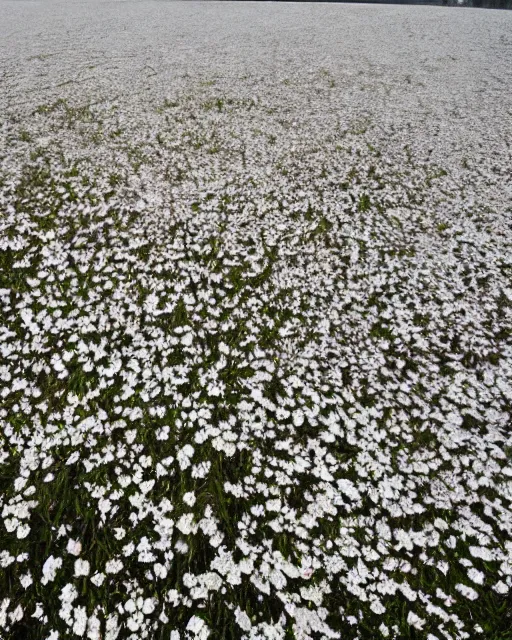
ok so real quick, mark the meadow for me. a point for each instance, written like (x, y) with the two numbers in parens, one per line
(255, 322)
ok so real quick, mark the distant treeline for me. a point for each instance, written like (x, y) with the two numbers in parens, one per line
(490, 4)
(484, 4)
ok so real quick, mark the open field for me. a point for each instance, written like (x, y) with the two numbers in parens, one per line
(255, 321)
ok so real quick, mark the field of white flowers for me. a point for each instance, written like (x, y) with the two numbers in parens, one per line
(255, 322)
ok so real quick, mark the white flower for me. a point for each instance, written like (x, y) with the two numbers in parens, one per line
(195, 625)
(186, 524)
(11, 524)
(501, 588)
(26, 580)
(181, 546)
(163, 433)
(93, 628)
(39, 612)
(298, 417)
(50, 569)
(80, 625)
(184, 456)
(307, 572)
(74, 547)
(189, 498)
(476, 576)
(97, 579)
(112, 628)
(440, 524)
(229, 448)
(481, 552)
(17, 614)
(68, 594)
(212, 581)
(273, 505)
(466, 591)
(409, 593)
(187, 340)
(277, 579)
(415, 621)
(113, 566)
(242, 620)
(146, 486)
(6, 559)
(223, 348)
(22, 531)
(258, 510)
(82, 568)
(149, 605)
(124, 481)
(62, 531)
(104, 507)
(377, 607)
(130, 435)
(74, 457)
(146, 556)
(160, 571)
(130, 606)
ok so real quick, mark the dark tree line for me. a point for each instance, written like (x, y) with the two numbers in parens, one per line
(483, 4)
(492, 4)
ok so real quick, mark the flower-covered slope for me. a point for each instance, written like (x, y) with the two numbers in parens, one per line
(256, 372)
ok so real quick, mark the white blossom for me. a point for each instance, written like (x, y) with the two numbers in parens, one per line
(50, 568)
(74, 547)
